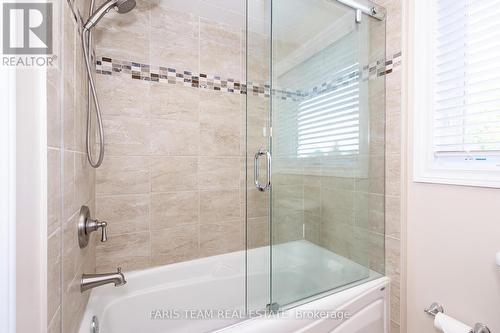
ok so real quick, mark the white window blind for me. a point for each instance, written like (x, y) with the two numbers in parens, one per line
(466, 77)
(328, 123)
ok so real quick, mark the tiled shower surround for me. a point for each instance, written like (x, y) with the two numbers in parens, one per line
(393, 149)
(172, 182)
(172, 185)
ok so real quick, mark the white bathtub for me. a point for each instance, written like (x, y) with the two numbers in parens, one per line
(208, 294)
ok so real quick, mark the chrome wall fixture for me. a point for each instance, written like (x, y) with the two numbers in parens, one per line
(86, 225)
(90, 281)
(481, 328)
(435, 308)
(366, 7)
(94, 325)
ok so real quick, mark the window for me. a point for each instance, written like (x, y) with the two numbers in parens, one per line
(328, 124)
(457, 92)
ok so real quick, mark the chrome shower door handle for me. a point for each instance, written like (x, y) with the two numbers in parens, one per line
(269, 170)
(256, 170)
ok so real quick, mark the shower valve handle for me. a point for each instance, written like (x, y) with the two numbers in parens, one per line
(87, 225)
(94, 225)
(104, 233)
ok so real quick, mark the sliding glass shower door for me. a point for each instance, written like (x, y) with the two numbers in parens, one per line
(315, 148)
(327, 148)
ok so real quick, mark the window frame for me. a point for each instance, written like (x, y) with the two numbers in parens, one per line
(425, 168)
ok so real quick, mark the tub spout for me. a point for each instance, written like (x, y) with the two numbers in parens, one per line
(90, 281)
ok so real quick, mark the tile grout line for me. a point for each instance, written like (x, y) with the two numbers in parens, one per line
(150, 161)
(199, 144)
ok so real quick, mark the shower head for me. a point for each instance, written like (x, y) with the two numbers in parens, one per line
(121, 6)
(125, 6)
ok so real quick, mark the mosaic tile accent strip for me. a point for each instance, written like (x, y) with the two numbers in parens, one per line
(146, 72)
(108, 66)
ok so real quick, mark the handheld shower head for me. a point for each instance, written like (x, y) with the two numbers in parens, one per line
(125, 6)
(121, 6)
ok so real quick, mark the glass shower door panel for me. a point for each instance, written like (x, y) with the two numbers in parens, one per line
(257, 122)
(327, 198)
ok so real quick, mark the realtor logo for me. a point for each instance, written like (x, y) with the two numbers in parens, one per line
(27, 28)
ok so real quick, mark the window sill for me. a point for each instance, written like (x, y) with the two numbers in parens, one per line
(438, 178)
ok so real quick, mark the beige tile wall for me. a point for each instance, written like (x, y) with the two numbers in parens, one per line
(70, 178)
(349, 209)
(393, 164)
(171, 182)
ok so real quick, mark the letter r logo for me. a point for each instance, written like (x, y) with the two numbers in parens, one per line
(27, 28)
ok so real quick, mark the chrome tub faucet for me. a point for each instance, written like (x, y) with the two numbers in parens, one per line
(90, 281)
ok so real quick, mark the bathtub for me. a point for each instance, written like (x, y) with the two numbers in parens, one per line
(209, 295)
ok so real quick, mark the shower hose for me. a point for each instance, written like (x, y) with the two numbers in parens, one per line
(92, 96)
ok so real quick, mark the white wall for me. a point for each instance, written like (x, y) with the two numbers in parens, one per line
(22, 198)
(31, 200)
(453, 233)
(7, 200)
